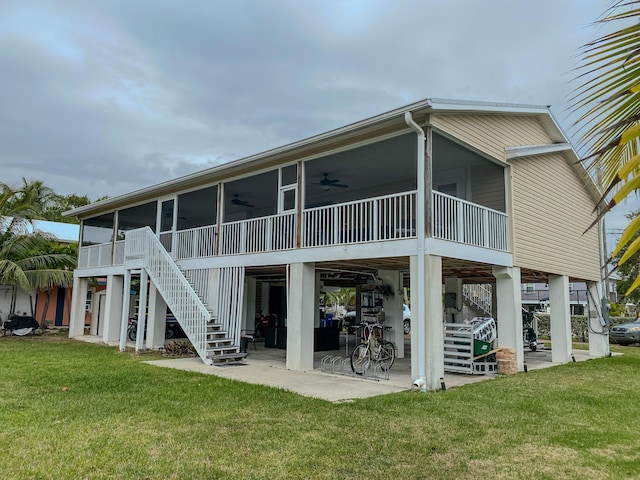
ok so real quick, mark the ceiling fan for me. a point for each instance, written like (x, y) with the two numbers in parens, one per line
(327, 182)
(240, 203)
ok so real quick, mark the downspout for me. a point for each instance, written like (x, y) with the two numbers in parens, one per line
(420, 231)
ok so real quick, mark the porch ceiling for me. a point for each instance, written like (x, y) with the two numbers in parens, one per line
(348, 273)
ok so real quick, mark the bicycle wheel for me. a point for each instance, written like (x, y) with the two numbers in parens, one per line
(387, 354)
(360, 358)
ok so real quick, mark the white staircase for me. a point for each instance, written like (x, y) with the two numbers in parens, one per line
(478, 297)
(212, 340)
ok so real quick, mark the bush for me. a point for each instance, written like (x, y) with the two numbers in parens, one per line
(579, 327)
(179, 349)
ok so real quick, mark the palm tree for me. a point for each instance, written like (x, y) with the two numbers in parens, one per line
(29, 261)
(610, 128)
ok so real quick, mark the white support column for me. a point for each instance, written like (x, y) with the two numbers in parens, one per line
(142, 310)
(427, 332)
(113, 309)
(598, 331)
(157, 321)
(508, 312)
(301, 304)
(434, 330)
(560, 311)
(124, 319)
(392, 306)
(78, 303)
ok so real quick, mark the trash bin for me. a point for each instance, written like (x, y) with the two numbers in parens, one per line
(480, 347)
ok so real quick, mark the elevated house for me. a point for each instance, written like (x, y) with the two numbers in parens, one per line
(436, 196)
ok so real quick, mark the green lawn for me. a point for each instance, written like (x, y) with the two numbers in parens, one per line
(75, 410)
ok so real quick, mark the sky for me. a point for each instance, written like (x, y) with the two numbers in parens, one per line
(106, 97)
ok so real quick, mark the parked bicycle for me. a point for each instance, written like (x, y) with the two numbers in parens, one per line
(373, 349)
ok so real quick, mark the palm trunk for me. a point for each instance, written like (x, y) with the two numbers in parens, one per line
(43, 321)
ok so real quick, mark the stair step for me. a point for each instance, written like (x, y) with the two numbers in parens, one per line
(227, 358)
(220, 342)
(218, 334)
(213, 352)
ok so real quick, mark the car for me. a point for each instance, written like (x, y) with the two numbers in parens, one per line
(625, 334)
(406, 315)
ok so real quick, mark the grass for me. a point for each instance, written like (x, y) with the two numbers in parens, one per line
(75, 410)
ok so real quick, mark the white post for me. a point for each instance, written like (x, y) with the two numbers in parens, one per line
(561, 347)
(427, 331)
(124, 320)
(508, 312)
(598, 331)
(392, 306)
(112, 309)
(78, 302)
(142, 310)
(433, 322)
(157, 321)
(300, 313)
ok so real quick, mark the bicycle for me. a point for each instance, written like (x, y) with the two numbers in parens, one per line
(373, 348)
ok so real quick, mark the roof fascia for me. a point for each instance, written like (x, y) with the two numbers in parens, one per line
(531, 150)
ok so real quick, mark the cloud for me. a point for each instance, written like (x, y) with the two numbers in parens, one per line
(105, 97)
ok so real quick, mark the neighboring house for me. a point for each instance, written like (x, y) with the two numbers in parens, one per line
(25, 303)
(436, 193)
(535, 296)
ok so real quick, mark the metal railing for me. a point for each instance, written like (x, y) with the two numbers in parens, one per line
(388, 217)
(190, 312)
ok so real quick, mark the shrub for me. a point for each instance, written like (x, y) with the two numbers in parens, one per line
(177, 348)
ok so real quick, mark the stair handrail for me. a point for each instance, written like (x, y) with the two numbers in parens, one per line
(143, 247)
(482, 298)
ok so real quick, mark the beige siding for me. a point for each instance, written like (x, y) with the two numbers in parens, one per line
(487, 186)
(551, 210)
(492, 133)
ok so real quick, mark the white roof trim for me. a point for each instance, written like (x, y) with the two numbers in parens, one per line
(531, 150)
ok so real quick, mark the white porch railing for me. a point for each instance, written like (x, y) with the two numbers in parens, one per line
(195, 242)
(265, 234)
(93, 256)
(465, 222)
(142, 245)
(388, 217)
